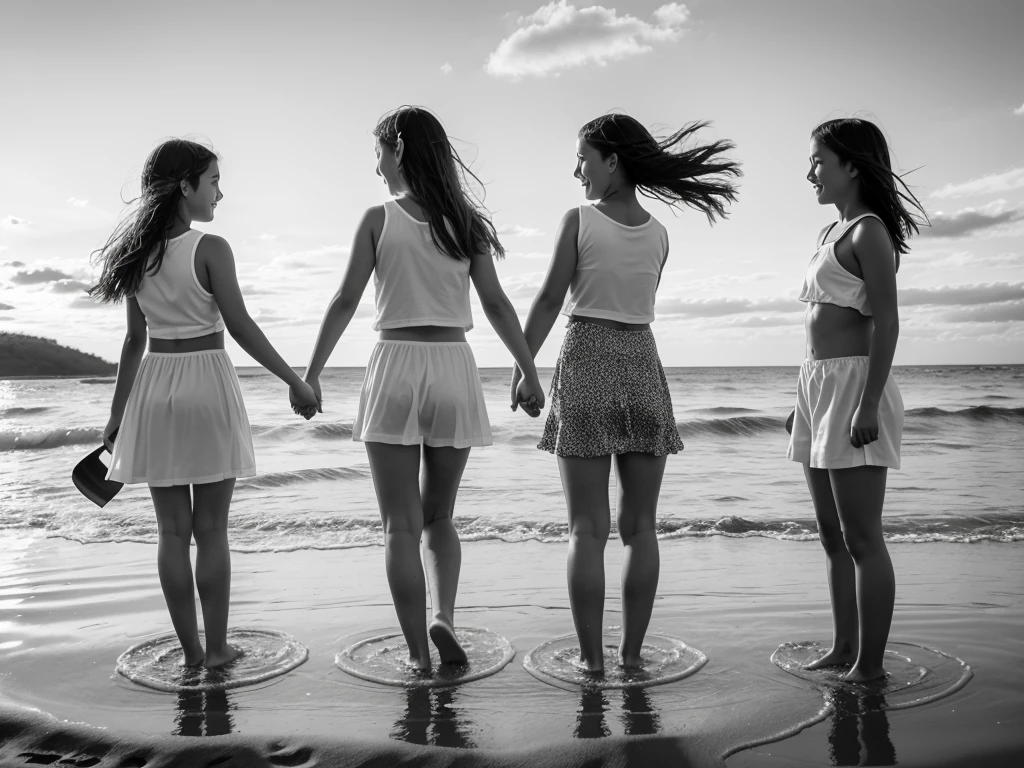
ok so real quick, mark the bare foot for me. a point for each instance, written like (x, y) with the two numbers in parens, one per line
(858, 675)
(214, 660)
(631, 662)
(448, 648)
(834, 658)
(192, 659)
(419, 666)
(589, 667)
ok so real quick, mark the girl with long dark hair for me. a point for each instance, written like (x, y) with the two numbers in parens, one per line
(178, 414)
(848, 420)
(609, 396)
(421, 402)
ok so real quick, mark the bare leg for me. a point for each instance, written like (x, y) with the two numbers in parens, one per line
(174, 564)
(585, 483)
(842, 584)
(395, 470)
(860, 494)
(442, 552)
(640, 476)
(213, 566)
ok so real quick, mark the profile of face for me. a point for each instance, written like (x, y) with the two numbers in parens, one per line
(388, 166)
(201, 202)
(832, 179)
(595, 173)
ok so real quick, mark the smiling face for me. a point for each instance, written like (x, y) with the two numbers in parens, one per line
(593, 171)
(834, 181)
(201, 202)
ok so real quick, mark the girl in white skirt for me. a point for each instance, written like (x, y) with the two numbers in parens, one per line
(609, 396)
(849, 414)
(421, 401)
(178, 413)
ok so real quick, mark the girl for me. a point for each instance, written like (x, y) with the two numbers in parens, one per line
(422, 386)
(609, 395)
(178, 411)
(849, 414)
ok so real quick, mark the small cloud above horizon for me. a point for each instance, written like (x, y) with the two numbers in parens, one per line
(267, 236)
(36, 276)
(1019, 110)
(9, 222)
(518, 230)
(559, 36)
(971, 220)
(991, 183)
(78, 202)
(446, 68)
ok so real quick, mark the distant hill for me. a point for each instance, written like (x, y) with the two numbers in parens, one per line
(22, 355)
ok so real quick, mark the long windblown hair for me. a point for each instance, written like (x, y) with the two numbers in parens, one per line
(662, 169)
(126, 257)
(439, 181)
(861, 143)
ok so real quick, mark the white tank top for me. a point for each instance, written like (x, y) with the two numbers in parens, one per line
(617, 269)
(176, 306)
(414, 282)
(828, 282)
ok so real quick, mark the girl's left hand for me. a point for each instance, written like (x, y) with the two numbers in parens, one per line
(304, 400)
(109, 432)
(864, 428)
(517, 376)
(530, 395)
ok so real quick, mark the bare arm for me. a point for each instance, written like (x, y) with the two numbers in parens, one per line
(343, 306)
(128, 368)
(502, 317)
(549, 300)
(219, 261)
(874, 252)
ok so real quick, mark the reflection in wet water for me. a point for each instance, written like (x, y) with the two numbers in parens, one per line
(203, 713)
(859, 734)
(431, 718)
(639, 717)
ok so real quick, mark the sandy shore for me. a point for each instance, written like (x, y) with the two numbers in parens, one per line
(67, 611)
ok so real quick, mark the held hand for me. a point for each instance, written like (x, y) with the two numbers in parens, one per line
(109, 433)
(864, 428)
(517, 376)
(304, 400)
(530, 395)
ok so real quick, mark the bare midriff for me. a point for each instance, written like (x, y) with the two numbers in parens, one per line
(196, 344)
(434, 333)
(834, 331)
(615, 325)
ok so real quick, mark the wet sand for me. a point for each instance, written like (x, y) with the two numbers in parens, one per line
(67, 611)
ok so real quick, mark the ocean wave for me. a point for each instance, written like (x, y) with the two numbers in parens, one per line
(324, 430)
(256, 533)
(42, 439)
(974, 413)
(279, 479)
(734, 426)
(19, 411)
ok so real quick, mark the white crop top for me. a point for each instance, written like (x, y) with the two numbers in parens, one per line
(617, 268)
(414, 282)
(176, 306)
(828, 282)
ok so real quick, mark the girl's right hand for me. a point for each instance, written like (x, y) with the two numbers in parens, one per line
(304, 400)
(517, 376)
(530, 395)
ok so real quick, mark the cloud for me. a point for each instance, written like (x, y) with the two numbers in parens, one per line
(962, 259)
(446, 68)
(45, 275)
(517, 230)
(69, 286)
(12, 264)
(1019, 110)
(968, 220)
(85, 302)
(267, 236)
(559, 36)
(992, 183)
(10, 222)
(718, 307)
(1012, 312)
(962, 295)
(77, 202)
(5, 307)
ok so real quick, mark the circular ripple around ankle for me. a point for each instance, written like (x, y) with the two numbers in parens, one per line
(157, 663)
(384, 659)
(915, 675)
(664, 660)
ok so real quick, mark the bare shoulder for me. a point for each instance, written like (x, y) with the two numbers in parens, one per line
(569, 226)
(212, 245)
(871, 239)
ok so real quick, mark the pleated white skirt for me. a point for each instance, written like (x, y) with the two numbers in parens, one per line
(184, 423)
(418, 392)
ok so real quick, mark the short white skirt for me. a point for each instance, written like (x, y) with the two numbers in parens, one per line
(828, 394)
(422, 392)
(184, 423)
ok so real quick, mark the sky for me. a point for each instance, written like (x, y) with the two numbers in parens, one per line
(288, 95)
